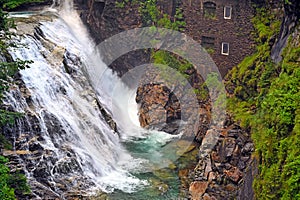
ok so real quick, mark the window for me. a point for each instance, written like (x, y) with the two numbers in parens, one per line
(209, 10)
(208, 42)
(225, 48)
(227, 12)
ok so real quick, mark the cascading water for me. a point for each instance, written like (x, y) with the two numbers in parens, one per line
(68, 143)
(69, 101)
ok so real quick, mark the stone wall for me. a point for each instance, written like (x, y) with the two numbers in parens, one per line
(235, 31)
(105, 19)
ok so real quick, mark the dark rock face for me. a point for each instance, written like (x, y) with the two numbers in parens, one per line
(288, 24)
(104, 20)
(245, 188)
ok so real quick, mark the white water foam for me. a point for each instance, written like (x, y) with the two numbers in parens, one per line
(99, 150)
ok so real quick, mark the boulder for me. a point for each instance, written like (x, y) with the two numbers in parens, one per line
(197, 189)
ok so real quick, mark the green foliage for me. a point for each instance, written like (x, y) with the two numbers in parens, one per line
(210, 15)
(266, 99)
(152, 16)
(11, 4)
(120, 4)
(210, 50)
(149, 11)
(6, 144)
(10, 184)
(6, 192)
(18, 182)
(171, 60)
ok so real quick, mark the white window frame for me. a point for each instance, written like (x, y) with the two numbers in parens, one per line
(222, 52)
(229, 13)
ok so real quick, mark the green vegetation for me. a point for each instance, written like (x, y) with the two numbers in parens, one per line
(210, 15)
(210, 50)
(120, 4)
(265, 99)
(6, 192)
(171, 60)
(11, 184)
(11, 4)
(152, 16)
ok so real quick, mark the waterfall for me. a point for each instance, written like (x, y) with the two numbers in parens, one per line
(110, 89)
(74, 139)
(68, 143)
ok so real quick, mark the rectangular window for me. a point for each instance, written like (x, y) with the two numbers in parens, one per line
(208, 42)
(227, 12)
(225, 48)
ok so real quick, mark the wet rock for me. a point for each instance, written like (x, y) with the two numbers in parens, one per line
(226, 149)
(207, 197)
(215, 157)
(223, 164)
(172, 127)
(35, 146)
(99, 196)
(233, 174)
(158, 106)
(241, 165)
(245, 190)
(212, 176)
(108, 118)
(66, 165)
(18, 152)
(242, 139)
(163, 174)
(230, 187)
(208, 168)
(233, 133)
(248, 148)
(209, 142)
(71, 62)
(163, 188)
(184, 147)
(197, 189)
(200, 169)
(183, 173)
(245, 158)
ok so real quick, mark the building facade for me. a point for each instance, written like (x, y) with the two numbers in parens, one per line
(223, 27)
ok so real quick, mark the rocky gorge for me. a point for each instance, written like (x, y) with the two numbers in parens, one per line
(225, 170)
